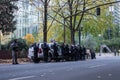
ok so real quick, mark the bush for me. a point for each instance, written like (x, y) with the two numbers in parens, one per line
(4, 47)
(90, 42)
(23, 53)
(21, 42)
(112, 43)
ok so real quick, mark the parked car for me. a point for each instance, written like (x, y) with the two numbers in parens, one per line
(40, 53)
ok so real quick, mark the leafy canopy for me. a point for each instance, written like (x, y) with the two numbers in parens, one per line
(7, 21)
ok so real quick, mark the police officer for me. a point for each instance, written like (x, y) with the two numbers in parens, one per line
(72, 52)
(67, 55)
(45, 48)
(79, 52)
(14, 47)
(93, 55)
(36, 48)
(63, 50)
(83, 53)
(55, 48)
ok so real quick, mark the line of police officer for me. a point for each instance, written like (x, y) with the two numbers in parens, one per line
(75, 52)
(69, 53)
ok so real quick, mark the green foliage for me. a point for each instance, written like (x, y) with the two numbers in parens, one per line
(57, 32)
(77, 11)
(7, 9)
(29, 39)
(114, 42)
(112, 32)
(90, 42)
(23, 53)
(92, 24)
(35, 35)
(21, 42)
(97, 24)
(4, 47)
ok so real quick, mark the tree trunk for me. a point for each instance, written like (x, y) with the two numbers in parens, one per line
(72, 37)
(45, 22)
(71, 25)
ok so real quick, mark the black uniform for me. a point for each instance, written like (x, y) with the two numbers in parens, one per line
(55, 48)
(63, 50)
(36, 48)
(72, 52)
(67, 55)
(14, 47)
(45, 48)
(83, 53)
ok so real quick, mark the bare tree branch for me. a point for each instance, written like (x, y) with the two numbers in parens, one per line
(93, 8)
(57, 20)
(78, 26)
(75, 15)
(56, 15)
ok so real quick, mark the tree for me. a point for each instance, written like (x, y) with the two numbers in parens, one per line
(21, 42)
(7, 9)
(90, 42)
(29, 38)
(78, 10)
(73, 12)
(97, 24)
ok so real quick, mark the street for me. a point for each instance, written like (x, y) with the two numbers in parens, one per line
(105, 68)
(59, 39)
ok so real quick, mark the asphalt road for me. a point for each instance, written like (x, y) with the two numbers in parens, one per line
(105, 68)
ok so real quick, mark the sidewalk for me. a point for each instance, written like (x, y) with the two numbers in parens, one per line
(26, 60)
(9, 61)
(105, 55)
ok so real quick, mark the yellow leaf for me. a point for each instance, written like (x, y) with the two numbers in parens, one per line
(29, 38)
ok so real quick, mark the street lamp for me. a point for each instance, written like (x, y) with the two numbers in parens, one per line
(99, 35)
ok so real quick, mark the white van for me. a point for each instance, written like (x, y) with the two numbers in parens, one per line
(40, 53)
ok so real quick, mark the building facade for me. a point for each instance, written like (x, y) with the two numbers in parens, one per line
(116, 14)
(27, 19)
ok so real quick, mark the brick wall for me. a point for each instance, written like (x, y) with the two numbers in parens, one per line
(7, 54)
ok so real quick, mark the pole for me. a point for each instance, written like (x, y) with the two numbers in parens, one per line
(64, 32)
(79, 34)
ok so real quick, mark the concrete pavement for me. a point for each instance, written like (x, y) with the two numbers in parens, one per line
(101, 68)
(25, 60)
(105, 55)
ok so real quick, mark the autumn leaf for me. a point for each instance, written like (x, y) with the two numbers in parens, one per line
(29, 38)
